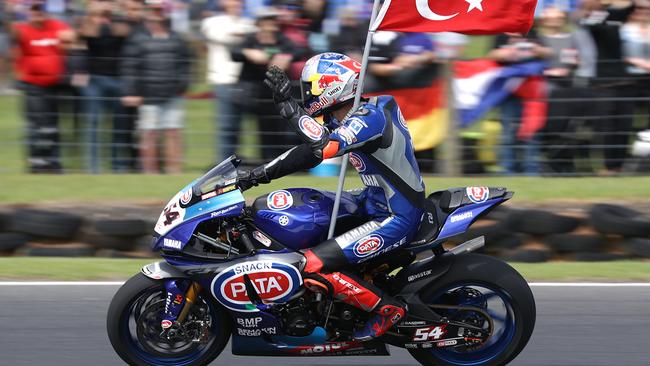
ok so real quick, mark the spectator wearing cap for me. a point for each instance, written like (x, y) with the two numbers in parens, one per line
(40, 68)
(223, 32)
(266, 47)
(155, 74)
(105, 35)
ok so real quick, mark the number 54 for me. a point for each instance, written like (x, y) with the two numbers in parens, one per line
(430, 333)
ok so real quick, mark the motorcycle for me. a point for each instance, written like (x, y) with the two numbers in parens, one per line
(232, 272)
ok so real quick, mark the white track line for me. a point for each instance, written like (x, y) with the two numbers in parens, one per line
(532, 284)
(589, 284)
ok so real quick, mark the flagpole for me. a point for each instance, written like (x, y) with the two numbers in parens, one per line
(357, 102)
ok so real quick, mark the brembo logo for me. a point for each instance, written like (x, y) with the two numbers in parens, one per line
(272, 282)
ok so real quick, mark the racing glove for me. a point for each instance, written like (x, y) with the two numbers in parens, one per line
(247, 179)
(310, 131)
(279, 83)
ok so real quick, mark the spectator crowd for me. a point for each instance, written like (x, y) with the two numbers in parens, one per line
(135, 61)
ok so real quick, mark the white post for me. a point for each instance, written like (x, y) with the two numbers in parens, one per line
(357, 102)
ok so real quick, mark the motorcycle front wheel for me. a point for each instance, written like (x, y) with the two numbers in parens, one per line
(134, 329)
(500, 291)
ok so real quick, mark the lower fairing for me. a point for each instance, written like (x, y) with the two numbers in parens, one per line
(314, 345)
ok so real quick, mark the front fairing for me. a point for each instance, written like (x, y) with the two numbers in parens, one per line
(213, 195)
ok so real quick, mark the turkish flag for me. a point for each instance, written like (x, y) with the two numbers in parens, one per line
(462, 16)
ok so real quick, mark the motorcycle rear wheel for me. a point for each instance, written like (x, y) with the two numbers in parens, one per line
(133, 320)
(502, 292)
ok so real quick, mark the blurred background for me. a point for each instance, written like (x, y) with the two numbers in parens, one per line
(175, 86)
(110, 106)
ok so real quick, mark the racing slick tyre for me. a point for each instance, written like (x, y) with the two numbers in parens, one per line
(571, 243)
(134, 329)
(619, 220)
(45, 224)
(502, 293)
(538, 222)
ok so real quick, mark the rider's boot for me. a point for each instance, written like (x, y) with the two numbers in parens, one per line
(388, 313)
(354, 291)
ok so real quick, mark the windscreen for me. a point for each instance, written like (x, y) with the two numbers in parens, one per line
(224, 174)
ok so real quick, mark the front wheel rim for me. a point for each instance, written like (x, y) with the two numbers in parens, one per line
(141, 319)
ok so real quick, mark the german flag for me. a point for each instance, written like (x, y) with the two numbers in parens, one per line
(422, 97)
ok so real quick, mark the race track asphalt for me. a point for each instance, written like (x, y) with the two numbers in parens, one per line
(592, 326)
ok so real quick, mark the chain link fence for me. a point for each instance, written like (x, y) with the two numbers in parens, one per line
(592, 126)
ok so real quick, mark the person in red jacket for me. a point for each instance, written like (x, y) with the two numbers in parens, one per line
(40, 66)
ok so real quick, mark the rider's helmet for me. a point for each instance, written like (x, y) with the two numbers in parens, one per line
(328, 80)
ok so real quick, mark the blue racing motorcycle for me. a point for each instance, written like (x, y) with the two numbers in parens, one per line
(232, 272)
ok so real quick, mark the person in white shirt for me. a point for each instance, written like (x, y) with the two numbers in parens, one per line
(222, 32)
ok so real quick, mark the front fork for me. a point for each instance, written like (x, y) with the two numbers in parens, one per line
(179, 298)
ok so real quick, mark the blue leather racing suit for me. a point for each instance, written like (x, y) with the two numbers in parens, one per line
(381, 150)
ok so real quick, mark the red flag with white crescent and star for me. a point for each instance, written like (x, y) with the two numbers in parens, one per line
(462, 16)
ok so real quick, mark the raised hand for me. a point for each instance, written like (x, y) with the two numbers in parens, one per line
(279, 83)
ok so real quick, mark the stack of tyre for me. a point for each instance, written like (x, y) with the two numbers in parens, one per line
(526, 235)
(57, 233)
(627, 228)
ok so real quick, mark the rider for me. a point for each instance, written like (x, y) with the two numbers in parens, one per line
(381, 150)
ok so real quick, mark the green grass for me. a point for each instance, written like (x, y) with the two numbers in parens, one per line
(570, 271)
(199, 137)
(23, 188)
(69, 269)
(80, 269)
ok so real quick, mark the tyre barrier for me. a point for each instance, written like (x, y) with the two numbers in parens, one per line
(603, 232)
(619, 220)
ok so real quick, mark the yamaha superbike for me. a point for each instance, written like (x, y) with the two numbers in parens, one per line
(232, 272)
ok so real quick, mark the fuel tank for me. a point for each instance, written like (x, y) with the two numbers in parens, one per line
(299, 218)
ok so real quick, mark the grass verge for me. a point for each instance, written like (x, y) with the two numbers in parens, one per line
(85, 269)
(24, 188)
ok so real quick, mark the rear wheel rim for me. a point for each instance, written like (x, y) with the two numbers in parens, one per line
(140, 323)
(498, 304)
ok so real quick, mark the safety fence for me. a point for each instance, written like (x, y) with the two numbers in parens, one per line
(601, 232)
(590, 127)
